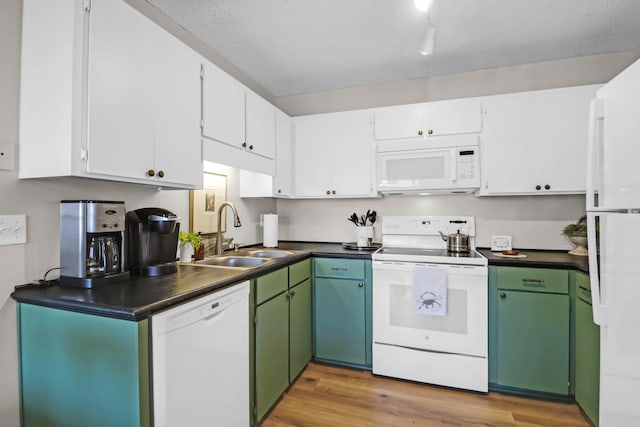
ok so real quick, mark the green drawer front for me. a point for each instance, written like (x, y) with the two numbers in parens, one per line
(271, 284)
(299, 272)
(341, 268)
(533, 279)
(583, 287)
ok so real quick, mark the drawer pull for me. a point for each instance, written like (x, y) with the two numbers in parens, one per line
(503, 295)
(338, 269)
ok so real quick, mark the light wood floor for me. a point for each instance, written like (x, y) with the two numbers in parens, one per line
(333, 396)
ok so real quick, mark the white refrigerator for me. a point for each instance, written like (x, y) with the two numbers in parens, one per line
(613, 218)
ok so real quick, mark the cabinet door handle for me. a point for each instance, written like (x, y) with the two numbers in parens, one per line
(251, 147)
(333, 192)
(503, 295)
(538, 187)
(328, 191)
(151, 172)
(244, 145)
(292, 293)
(161, 174)
(360, 285)
(420, 132)
(547, 187)
(430, 131)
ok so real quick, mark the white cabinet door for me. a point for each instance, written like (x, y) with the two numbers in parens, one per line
(178, 146)
(260, 126)
(535, 142)
(334, 155)
(312, 156)
(284, 164)
(121, 91)
(143, 100)
(352, 154)
(223, 114)
(429, 119)
(405, 121)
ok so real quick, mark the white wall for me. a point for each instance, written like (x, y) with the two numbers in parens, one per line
(534, 222)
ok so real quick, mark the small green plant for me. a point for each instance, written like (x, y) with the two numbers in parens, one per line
(193, 238)
(577, 229)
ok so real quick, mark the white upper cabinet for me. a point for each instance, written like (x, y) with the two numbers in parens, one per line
(120, 105)
(223, 114)
(239, 126)
(260, 126)
(144, 88)
(428, 119)
(284, 164)
(535, 142)
(334, 155)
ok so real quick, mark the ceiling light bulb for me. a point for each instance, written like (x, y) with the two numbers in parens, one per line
(422, 5)
(426, 48)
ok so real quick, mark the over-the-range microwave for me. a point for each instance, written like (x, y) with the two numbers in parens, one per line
(435, 165)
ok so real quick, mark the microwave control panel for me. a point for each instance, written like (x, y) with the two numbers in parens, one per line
(467, 163)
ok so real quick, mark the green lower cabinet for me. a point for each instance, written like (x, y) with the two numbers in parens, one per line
(533, 346)
(82, 370)
(300, 328)
(281, 333)
(587, 357)
(529, 330)
(272, 352)
(342, 308)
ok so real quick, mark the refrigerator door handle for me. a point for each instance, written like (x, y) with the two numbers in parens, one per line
(599, 309)
(596, 115)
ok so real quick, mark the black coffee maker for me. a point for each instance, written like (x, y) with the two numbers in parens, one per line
(152, 241)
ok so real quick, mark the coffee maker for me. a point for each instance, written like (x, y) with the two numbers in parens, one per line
(91, 242)
(152, 241)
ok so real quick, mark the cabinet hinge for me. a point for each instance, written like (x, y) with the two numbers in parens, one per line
(86, 5)
(201, 125)
(201, 71)
(84, 154)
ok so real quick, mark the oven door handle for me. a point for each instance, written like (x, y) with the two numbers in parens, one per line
(400, 266)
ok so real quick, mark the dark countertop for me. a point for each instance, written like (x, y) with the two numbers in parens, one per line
(137, 297)
(540, 259)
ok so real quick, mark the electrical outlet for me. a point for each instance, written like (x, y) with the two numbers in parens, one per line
(13, 229)
(6, 156)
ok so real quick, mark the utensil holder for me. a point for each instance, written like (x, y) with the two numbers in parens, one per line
(364, 236)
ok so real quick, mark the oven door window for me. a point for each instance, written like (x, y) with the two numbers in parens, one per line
(462, 330)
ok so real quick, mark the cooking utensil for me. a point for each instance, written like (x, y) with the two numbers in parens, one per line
(355, 221)
(456, 242)
(362, 220)
(372, 217)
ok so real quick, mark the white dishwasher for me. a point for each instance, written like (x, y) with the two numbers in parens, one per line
(201, 361)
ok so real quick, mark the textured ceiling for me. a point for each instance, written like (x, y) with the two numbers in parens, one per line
(299, 46)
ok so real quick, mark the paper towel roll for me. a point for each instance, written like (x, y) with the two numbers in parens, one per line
(270, 232)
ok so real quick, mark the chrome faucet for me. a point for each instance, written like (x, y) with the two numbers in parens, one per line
(236, 223)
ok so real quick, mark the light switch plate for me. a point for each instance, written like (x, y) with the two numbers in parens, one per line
(500, 243)
(13, 229)
(6, 156)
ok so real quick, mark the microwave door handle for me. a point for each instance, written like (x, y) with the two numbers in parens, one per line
(454, 166)
(596, 116)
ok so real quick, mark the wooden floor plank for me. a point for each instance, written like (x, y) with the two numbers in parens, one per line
(331, 396)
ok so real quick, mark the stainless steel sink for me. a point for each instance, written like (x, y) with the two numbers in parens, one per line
(233, 261)
(269, 253)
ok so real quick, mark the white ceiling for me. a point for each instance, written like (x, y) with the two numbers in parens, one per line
(291, 47)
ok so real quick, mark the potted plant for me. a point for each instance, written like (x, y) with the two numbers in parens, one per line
(577, 233)
(189, 242)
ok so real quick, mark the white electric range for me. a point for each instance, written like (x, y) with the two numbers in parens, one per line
(430, 314)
